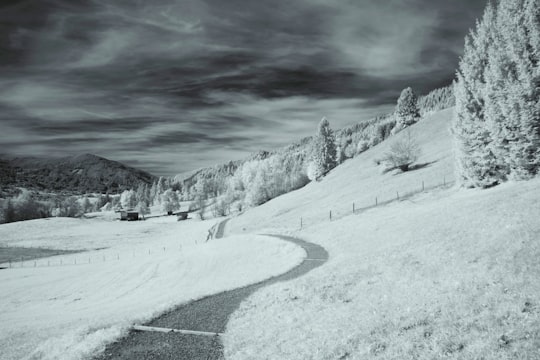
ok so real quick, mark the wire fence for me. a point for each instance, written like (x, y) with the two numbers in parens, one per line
(106, 255)
(355, 207)
(85, 257)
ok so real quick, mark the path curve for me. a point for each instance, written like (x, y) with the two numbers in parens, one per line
(209, 314)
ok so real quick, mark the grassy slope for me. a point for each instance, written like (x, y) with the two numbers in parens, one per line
(358, 180)
(445, 274)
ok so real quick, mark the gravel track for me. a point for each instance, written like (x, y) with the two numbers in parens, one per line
(208, 314)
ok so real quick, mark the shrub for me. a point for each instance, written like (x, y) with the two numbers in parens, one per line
(221, 208)
(403, 152)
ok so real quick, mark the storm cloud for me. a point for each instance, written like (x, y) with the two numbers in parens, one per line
(174, 85)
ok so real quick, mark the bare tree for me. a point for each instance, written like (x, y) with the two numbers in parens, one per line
(403, 152)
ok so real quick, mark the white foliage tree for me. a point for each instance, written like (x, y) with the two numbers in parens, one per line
(324, 150)
(512, 95)
(169, 201)
(128, 199)
(497, 122)
(142, 193)
(407, 112)
(403, 152)
(142, 208)
(257, 192)
(86, 206)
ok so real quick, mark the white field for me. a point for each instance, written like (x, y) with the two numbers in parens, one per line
(449, 273)
(80, 302)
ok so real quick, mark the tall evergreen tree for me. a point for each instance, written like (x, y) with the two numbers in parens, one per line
(141, 193)
(324, 150)
(475, 161)
(153, 196)
(497, 123)
(407, 112)
(512, 99)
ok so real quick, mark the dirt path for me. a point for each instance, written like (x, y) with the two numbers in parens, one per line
(209, 314)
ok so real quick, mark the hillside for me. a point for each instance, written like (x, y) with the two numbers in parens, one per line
(78, 174)
(360, 180)
(289, 163)
(444, 273)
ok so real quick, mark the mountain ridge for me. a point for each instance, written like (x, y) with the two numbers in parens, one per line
(79, 173)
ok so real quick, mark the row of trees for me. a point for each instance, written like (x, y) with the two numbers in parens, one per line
(325, 156)
(497, 125)
(25, 206)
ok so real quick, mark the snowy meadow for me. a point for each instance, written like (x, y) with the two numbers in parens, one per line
(71, 306)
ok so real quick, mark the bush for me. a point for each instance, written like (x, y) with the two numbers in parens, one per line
(221, 208)
(24, 207)
(403, 153)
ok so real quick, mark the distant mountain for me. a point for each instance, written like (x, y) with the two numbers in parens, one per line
(78, 174)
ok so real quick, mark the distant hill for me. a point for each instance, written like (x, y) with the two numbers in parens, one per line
(78, 174)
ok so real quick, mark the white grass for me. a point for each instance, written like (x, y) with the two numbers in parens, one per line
(445, 274)
(71, 310)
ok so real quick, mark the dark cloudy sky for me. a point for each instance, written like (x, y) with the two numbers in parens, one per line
(174, 85)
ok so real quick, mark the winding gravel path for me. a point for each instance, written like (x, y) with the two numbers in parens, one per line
(209, 314)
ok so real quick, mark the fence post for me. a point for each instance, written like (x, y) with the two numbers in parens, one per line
(300, 223)
(423, 185)
(376, 201)
(353, 208)
(330, 215)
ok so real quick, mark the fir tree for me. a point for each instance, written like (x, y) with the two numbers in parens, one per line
(497, 124)
(141, 194)
(475, 161)
(324, 150)
(153, 195)
(513, 103)
(407, 112)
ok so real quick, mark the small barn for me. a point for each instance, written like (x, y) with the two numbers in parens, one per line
(129, 215)
(182, 215)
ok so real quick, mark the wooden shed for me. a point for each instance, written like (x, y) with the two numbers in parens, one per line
(129, 215)
(182, 215)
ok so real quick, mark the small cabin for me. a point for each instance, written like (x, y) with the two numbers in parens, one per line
(182, 215)
(129, 215)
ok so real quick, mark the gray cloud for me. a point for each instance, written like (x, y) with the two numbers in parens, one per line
(172, 85)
